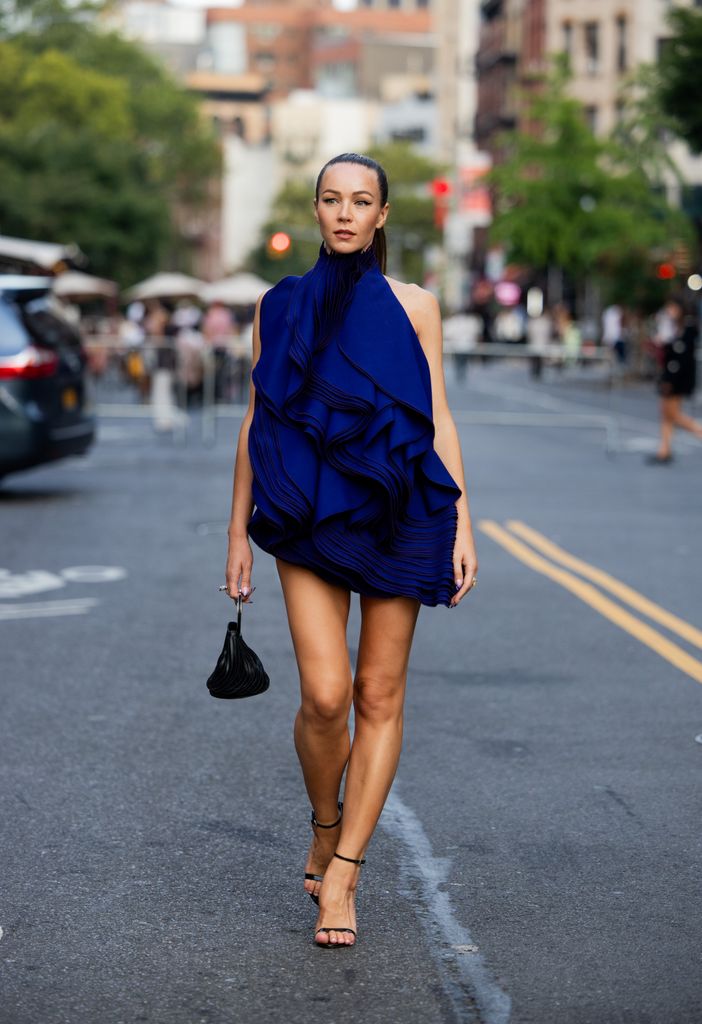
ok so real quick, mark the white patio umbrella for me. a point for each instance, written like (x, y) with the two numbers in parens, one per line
(168, 285)
(76, 285)
(43, 255)
(239, 290)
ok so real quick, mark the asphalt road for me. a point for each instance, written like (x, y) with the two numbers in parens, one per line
(539, 859)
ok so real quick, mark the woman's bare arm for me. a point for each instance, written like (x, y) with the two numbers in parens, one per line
(240, 556)
(425, 314)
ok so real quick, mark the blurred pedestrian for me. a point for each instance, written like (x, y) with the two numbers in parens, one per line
(614, 332)
(462, 333)
(218, 327)
(677, 334)
(539, 332)
(161, 342)
(569, 334)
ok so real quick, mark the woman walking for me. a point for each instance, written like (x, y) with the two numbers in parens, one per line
(677, 377)
(351, 458)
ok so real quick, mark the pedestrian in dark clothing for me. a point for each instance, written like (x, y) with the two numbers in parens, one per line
(677, 335)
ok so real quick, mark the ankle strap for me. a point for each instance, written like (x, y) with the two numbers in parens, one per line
(334, 823)
(351, 860)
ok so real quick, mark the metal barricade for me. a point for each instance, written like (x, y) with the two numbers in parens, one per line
(184, 381)
(171, 381)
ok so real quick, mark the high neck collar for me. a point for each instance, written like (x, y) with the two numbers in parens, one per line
(359, 259)
(330, 286)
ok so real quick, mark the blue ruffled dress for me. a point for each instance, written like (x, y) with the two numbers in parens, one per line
(346, 480)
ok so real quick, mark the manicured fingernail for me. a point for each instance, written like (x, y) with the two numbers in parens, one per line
(245, 591)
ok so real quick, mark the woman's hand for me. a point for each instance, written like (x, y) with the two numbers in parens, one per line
(465, 563)
(239, 565)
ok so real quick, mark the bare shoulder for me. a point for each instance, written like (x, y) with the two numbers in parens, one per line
(420, 305)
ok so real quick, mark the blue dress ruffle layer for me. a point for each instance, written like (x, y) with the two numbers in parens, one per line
(346, 480)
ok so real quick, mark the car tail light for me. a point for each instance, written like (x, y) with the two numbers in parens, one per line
(32, 362)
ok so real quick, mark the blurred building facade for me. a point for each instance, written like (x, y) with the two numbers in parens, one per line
(604, 42)
(289, 83)
(512, 50)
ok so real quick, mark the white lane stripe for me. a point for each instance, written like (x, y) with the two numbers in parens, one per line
(39, 610)
(476, 996)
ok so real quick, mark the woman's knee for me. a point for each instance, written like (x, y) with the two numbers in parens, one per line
(326, 705)
(379, 698)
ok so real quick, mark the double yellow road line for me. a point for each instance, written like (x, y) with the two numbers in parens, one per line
(528, 554)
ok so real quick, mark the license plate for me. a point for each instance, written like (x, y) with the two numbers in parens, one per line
(69, 398)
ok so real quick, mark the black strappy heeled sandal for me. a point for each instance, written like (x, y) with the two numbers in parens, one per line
(338, 945)
(317, 824)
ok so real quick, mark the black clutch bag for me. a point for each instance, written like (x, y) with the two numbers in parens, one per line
(239, 672)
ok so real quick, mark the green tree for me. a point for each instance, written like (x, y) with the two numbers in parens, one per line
(292, 212)
(114, 153)
(679, 71)
(410, 227)
(644, 129)
(567, 199)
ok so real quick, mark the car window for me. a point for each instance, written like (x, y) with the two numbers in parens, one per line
(13, 336)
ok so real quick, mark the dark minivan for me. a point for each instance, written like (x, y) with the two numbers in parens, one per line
(45, 411)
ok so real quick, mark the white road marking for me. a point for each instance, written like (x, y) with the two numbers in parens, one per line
(117, 433)
(46, 609)
(93, 573)
(475, 995)
(22, 583)
(526, 395)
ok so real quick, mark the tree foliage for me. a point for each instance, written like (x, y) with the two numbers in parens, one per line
(644, 129)
(98, 145)
(679, 71)
(566, 198)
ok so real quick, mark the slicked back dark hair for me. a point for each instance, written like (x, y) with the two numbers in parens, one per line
(380, 246)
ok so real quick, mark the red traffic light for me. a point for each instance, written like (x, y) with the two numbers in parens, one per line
(440, 187)
(279, 243)
(666, 271)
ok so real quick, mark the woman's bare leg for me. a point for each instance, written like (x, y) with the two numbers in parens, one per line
(672, 416)
(667, 427)
(680, 419)
(318, 615)
(387, 629)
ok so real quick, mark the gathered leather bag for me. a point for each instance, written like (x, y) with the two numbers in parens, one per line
(238, 672)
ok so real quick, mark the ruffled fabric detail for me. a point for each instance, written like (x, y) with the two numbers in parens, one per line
(346, 478)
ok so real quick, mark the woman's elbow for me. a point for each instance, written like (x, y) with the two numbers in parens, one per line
(443, 420)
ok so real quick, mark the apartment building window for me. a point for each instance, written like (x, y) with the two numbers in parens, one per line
(265, 31)
(567, 30)
(591, 116)
(422, 3)
(622, 41)
(394, 3)
(592, 47)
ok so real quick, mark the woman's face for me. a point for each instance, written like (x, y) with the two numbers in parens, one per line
(348, 209)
